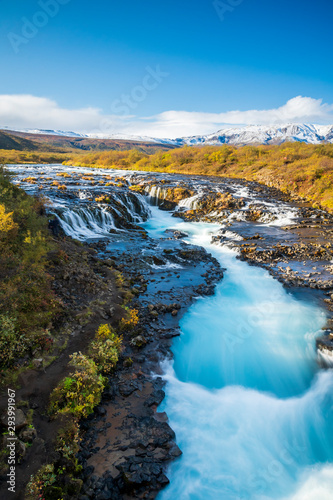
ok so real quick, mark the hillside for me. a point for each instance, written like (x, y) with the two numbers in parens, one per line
(9, 141)
(63, 144)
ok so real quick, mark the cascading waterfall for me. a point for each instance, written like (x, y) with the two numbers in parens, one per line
(134, 205)
(191, 203)
(83, 223)
(156, 194)
(326, 357)
(138, 205)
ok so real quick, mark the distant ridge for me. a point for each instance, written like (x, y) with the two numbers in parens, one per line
(262, 134)
(236, 136)
(59, 142)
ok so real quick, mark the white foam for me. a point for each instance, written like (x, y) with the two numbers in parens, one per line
(84, 224)
(168, 265)
(316, 484)
(325, 357)
(190, 203)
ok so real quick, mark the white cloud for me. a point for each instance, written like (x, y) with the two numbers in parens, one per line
(296, 110)
(27, 111)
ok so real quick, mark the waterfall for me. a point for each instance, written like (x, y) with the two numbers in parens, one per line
(325, 357)
(156, 194)
(137, 206)
(134, 207)
(191, 203)
(84, 223)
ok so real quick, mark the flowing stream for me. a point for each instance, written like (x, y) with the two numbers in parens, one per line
(251, 411)
(251, 408)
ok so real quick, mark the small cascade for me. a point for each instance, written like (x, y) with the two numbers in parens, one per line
(85, 223)
(191, 203)
(156, 194)
(325, 357)
(130, 207)
(137, 206)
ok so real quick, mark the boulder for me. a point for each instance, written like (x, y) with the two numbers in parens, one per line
(28, 435)
(37, 363)
(20, 419)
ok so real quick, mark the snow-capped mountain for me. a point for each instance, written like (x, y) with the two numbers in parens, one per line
(128, 137)
(238, 136)
(262, 134)
(38, 131)
(97, 135)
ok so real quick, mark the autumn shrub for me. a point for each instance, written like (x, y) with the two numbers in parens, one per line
(104, 332)
(137, 188)
(45, 477)
(81, 391)
(105, 349)
(68, 440)
(57, 480)
(105, 354)
(131, 320)
(102, 199)
(6, 221)
(12, 344)
(63, 174)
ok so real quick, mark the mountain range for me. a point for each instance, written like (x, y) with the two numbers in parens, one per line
(238, 136)
(261, 134)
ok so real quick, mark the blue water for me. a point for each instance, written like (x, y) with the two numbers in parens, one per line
(252, 412)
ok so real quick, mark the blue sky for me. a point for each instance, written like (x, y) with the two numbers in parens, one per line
(89, 55)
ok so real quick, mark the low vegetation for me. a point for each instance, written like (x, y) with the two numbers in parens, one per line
(296, 168)
(13, 156)
(74, 398)
(27, 303)
(105, 349)
(59, 479)
(131, 320)
(81, 391)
